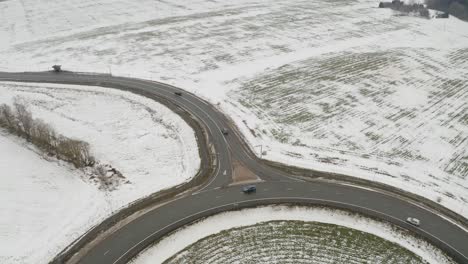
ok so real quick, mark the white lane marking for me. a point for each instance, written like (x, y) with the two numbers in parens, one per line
(408, 201)
(162, 90)
(141, 82)
(209, 117)
(105, 253)
(212, 180)
(281, 198)
(151, 86)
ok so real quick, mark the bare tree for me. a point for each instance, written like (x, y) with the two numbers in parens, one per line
(85, 154)
(20, 122)
(75, 151)
(24, 117)
(64, 150)
(43, 135)
(7, 118)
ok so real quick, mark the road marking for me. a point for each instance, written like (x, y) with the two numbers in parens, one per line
(275, 199)
(105, 253)
(152, 86)
(162, 91)
(212, 180)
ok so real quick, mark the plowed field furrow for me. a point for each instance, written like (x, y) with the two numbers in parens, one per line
(294, 242)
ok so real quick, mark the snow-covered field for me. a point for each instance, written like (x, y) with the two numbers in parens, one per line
(332, 85)
(284, 242)
(250, 236)
(42, 201)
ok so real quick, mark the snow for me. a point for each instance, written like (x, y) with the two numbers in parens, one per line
(188, 235)
(42, 202)
(293, 242)
(151, 146)
(374, 94)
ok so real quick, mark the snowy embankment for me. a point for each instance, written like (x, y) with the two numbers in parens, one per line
(43, 203)
(50, 201)
(339, 86)
(178, 241)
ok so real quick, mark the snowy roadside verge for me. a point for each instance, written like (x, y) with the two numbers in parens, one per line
(152, 146)
(186, 236)
(42, 201)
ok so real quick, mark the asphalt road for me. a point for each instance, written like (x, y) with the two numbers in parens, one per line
(217, 195)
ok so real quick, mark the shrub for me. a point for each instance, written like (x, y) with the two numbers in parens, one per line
(7, 118)
(21, 123)
(43, 136)
(24, 118)
(75, 151)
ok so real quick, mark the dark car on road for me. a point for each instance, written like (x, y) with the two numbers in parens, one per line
(249, 189)
(178, 93)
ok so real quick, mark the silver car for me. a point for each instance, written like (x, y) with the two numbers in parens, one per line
(413, 221)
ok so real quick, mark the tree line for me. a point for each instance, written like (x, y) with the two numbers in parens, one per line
(458, 8)
(18, 120)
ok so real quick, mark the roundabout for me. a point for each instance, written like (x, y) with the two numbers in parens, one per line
(225, 158)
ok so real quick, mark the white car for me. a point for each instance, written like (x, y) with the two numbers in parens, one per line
(413, 221)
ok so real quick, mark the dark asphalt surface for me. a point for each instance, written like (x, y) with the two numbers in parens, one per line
(217, 196)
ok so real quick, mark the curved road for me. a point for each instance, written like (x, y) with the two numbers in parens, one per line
(216, 196)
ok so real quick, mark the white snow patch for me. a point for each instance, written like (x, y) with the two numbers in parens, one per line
(405, 97)
(44, 207)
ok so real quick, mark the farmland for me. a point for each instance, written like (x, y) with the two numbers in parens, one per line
(294, 242)
(339, 86)
(367, 111)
